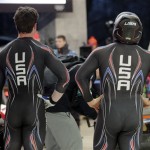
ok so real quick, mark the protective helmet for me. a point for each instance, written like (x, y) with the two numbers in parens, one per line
(127, 28)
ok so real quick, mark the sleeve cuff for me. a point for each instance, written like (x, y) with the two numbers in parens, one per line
(53, 102)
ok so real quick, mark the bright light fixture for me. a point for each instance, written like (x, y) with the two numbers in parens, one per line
(32, 1)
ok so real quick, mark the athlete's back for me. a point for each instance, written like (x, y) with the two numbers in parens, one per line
(123, 75)
(126, 69)
(22, 64)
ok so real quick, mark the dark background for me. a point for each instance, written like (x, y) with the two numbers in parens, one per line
(100, 11)
(47, 14)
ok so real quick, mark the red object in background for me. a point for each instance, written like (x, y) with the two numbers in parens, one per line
(146, 116)
(6, 93)
(36, 36)
(92, 41)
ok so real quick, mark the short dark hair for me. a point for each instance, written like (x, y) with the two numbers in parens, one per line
(61, 37)
(25, 19)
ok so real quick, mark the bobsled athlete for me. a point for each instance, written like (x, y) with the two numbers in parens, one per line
(124, 67)
(22, 64)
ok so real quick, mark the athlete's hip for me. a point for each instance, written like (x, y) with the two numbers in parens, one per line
(117, 119)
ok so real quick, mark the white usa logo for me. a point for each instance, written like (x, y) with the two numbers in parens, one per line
(20, 69)
(124, 73)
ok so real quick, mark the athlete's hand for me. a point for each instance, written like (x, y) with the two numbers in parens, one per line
(47, 101)
(95, 103)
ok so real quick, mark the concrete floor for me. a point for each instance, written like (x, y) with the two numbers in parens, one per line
(87, 135)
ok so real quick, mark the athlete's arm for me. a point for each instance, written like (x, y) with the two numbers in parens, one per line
(84, 74)
(61, 73)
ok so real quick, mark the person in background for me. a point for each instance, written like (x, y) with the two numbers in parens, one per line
(62, 51)
(146, 92)
(62, 47)
(147, 86)
(146, 101)
(59, 117)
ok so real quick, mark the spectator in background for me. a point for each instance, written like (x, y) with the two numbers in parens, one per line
(146, 92)
(148, 86)
(62, 51)
(62, 47)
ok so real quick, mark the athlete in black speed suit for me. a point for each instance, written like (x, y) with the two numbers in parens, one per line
(22, 64)
(124, 67)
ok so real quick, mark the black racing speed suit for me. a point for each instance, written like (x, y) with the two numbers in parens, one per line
(22, 64)
(123, 70)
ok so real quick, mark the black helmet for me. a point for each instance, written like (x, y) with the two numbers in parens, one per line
(127, 28)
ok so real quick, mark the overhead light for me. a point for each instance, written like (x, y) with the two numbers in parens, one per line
(59, 7)
(32, 2)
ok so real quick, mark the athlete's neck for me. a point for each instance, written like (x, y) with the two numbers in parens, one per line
(23, 35)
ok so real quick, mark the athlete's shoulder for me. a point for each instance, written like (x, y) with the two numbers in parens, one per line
(7, 47)
(41, 46)
(103, 49)
(143, 50)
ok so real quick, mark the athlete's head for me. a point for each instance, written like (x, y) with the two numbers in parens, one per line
(25, 19)
(127, 28)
